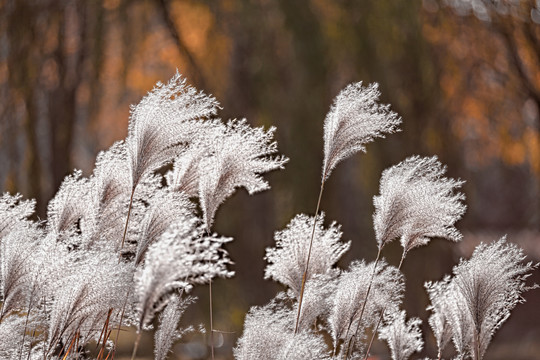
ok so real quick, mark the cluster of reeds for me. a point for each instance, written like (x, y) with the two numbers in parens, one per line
(130, 241)
(352, 306)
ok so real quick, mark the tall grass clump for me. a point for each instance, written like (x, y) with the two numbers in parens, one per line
(327, 312)
(130, 241)
(126, 245)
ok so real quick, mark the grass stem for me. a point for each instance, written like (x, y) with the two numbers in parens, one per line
(363, 306)
(304, 277)
(382, 313)
(136, 346)
(128, 214)
(71, 345)
(211, 322)
(120, 325)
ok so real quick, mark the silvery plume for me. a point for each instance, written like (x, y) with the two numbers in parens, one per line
(491, 283)
(269, 334)
(182, 257)
(387, 287)
(168, 332)
(14, 211)
(239, 156)
(163, 123)
(287, 260)
(417, 203)
(355, 119)
(403, 338)
(448, 321)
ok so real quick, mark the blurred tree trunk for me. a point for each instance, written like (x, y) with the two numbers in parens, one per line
(46, 62)
(68, 56)
(23, 70)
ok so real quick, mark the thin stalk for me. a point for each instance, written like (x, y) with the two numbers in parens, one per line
(71, 345)
(26, 322)
(308, 258)
(129, 213)
(476, 346)
(335, 350)
(104, 329)
(211, 322)
(211, 312)
(45, 312)
(77, 345)
(30, 347)
(102, 350)
(120, 325)
(363, 305)
(63, 346)
(123, 240)
(136, 345)
(382, 313)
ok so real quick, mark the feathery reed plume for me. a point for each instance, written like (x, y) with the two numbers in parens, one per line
(355, 119)
(68, 205)
(416, 203)
(318, 298)
(403, 338)
(85, 294)
(166, 207)
(161, 126)
(167, 332)
(110, 187)
(182, 257)
(287, 260)
(491, 283)
(268, 334)
(239, 157)
(187, 167)
(11, 330)
(162, 123)
(14, 211)
(350, 315)
(16, 250)
(442, 306)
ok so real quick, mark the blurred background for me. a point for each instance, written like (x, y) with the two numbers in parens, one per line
(463, 74)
